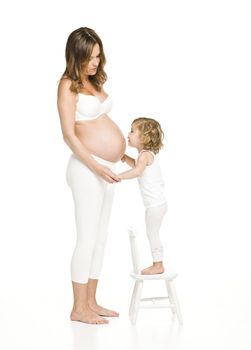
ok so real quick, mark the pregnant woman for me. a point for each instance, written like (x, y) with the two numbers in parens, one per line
(97, 144)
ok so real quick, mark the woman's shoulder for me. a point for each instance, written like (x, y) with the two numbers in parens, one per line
(64, 92)
(64, 83)
(64, 87)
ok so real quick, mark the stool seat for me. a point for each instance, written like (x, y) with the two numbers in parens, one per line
(160, 276)
(152, 302)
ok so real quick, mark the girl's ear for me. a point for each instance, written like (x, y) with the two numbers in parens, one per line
(147, 139)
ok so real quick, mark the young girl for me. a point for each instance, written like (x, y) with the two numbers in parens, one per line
(146, 135)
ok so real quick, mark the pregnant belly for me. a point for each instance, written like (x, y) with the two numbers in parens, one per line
(102, 137)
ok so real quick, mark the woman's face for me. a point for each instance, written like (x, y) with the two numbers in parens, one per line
(91, 68)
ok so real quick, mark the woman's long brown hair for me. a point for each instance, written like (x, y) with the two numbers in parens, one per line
(78, 51)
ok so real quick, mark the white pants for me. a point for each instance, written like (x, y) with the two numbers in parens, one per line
(154, 217)
(93, 198)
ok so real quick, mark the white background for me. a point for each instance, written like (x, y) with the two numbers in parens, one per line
(185, 63)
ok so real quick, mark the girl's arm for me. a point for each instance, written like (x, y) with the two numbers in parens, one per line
(130, 161)
(66, 108)
(144, 159)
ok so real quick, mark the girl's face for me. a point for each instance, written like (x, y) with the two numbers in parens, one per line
(92, 66)
(133, 138)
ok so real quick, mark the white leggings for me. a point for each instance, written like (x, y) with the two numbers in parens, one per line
(93, 199)
(154, 217)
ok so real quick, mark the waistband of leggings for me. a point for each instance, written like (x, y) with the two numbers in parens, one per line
(99, 160)
(104, 161)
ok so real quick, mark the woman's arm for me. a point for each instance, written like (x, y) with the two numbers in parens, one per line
(130, 161)
(144, 159)
(66, 108)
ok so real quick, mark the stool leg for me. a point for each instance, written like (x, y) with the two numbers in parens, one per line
(132, 304)
(176, 302)
(138, 292)
(169, 292)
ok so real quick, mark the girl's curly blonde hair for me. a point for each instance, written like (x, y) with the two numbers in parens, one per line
(150, 133)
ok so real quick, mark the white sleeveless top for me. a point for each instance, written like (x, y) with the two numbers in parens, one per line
(152, 185)
(89, 107)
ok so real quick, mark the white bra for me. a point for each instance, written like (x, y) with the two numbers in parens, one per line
(90, 107)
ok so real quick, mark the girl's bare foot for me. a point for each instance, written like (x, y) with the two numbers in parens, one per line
(156, 268)
(87, 316)
(101, 311)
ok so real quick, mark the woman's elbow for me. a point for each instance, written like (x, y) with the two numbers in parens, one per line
(68, 138)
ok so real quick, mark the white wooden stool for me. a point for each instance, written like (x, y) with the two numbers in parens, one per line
(136, 300)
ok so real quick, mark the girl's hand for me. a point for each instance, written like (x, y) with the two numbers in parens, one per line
(106, 174)
(123, 159)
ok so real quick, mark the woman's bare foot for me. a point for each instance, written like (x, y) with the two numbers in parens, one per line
(88, 316)
(101, 311)
(156, 268)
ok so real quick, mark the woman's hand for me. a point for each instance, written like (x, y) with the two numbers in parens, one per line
(106, 174)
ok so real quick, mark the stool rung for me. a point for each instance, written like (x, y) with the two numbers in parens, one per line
(152, 299)
(153, 306)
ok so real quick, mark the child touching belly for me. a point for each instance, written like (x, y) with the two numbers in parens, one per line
(146, 136)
